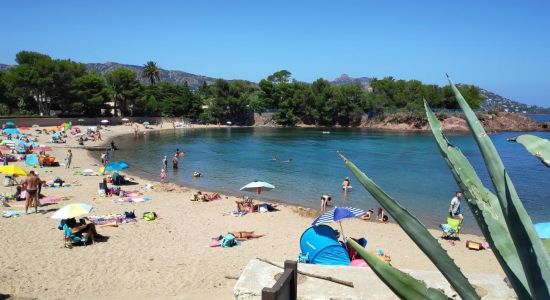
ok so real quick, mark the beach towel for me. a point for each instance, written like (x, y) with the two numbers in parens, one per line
(238, 213)
(131, 199)
(109, 219)
(12, 213)
(50, 200)
(132, 193)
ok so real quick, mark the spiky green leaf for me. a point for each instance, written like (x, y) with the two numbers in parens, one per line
(535, 260)
(418, 233)
(402, 284)
(485, 207)
(537, 146)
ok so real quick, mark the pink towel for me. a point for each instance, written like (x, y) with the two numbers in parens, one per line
(50, 200)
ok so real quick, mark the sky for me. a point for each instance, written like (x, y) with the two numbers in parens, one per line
(502, 46)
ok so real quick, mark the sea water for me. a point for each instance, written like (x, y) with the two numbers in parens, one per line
(303, 165)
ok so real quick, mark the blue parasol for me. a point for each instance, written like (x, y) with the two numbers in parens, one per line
(11, 131)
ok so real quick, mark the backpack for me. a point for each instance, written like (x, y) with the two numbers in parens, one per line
(228, 241)
(149, 216)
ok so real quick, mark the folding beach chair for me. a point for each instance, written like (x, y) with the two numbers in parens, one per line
(70, 239)
(451, 229)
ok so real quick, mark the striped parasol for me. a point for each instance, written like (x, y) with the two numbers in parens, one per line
(337, 215)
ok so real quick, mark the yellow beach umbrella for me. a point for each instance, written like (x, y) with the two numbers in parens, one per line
(13, 170)
(72, 211)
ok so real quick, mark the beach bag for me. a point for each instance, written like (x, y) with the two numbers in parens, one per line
(263, 208)
(149, 216)
(228, 241)
(473, 245)
(129, 214)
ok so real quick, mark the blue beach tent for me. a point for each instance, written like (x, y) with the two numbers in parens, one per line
(543, 230)
(321, 246)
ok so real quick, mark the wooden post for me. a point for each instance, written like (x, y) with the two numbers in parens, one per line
(293, 265)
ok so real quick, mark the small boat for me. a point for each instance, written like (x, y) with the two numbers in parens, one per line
(326, 132)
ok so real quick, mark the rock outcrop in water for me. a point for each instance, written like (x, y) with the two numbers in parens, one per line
(493, 122)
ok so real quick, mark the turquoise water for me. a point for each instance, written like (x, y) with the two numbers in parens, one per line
(408, 166)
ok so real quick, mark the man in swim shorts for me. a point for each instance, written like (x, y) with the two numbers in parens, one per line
(454, 208)
(33, 185)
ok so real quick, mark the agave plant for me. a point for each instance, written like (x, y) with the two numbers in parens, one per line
(501, 217)
(537, 146)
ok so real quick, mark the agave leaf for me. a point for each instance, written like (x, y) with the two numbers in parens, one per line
(485, 207)
(539, 147)
(402, 284)
(547, 244)
(533, 255)
(418, 233)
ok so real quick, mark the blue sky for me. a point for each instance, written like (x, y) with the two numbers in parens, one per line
(502, 46)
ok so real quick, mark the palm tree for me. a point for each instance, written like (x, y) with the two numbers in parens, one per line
(151, 71)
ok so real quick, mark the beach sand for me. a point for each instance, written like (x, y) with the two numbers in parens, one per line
(170, 257)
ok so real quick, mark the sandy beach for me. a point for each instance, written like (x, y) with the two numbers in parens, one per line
(170, 257)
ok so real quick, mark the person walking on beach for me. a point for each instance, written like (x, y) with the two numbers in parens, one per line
(165, 163)
(175, 162)
(69, 159)
(33, 183)
(454, 208)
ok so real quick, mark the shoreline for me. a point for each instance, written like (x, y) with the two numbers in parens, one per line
(141, 175)
(170, 257)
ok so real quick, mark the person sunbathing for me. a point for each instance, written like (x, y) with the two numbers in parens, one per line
(243, 235)
(85, 230)
(368, 215)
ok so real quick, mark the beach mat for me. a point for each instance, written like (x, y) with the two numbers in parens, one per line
(131, 200)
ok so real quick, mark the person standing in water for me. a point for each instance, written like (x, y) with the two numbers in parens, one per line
(346, 184)
(175, 162)
(165, 162)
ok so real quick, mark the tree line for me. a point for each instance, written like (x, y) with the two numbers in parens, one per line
(39, 85)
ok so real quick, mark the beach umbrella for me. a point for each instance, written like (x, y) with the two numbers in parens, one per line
(11, 131)
(72, 211)
(13, 170)
(55, 134)
(32, 160)
(104, 121)
(337, 215)
(258, 186)
(4, 148)
(24, 128)
(10, 124)
(117, 166)
(229, 123)
(145, 123)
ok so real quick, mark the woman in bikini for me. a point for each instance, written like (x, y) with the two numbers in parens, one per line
(245, 235)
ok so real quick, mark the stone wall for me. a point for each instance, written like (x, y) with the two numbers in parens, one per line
(87, 121)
